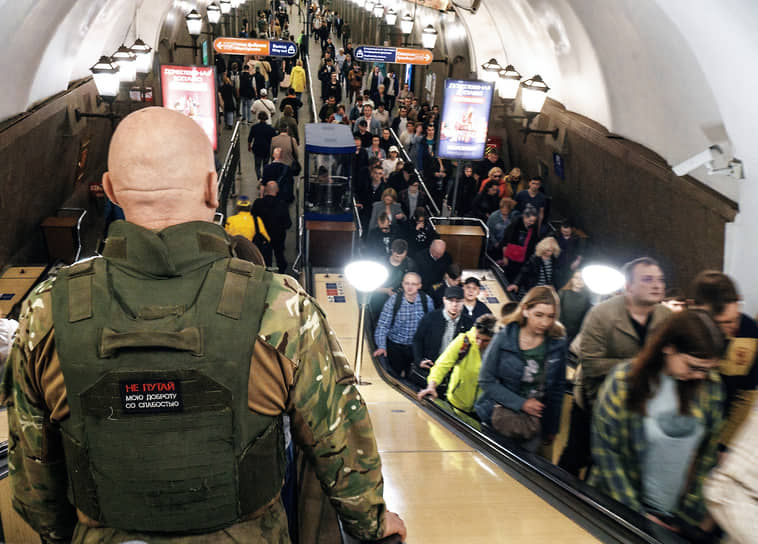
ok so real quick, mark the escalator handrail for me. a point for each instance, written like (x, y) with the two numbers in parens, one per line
(357, 219)
(420, 178)
(307, 63)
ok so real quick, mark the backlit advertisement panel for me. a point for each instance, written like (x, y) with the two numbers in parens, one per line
(191, 90)
(465, 115)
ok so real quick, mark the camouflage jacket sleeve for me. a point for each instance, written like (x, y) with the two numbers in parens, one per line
(35, 459)
(330, 421)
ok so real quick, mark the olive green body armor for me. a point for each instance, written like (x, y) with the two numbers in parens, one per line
(160, 436)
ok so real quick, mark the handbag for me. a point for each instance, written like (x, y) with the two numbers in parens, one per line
(515, 252)
(519, 424)
(296, 166)
(285, 84)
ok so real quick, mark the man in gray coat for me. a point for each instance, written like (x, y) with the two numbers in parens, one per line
(613, 331)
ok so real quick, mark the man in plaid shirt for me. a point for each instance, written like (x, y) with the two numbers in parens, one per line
(398, 322)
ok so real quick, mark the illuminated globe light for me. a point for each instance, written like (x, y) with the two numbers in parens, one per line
(127, 64)
(226, 6)
(508, 83)
(142, 53)
(602, 279)
(429, 37)
(105, 74)
(366, 276)
(194, 23)
(213, 11)
(406, 23)
(533, 94)
(491, 70)
(391, 17)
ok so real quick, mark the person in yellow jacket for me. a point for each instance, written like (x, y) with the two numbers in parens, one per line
(297, 79)
(244, 223)
(464, 358)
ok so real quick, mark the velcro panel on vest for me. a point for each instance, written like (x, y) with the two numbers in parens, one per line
(186, 485)
(188, 339)
(80, 291)
(238, 275)
(255, 466)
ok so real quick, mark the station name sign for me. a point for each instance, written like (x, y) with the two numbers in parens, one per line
(400, 55)
(245, 46)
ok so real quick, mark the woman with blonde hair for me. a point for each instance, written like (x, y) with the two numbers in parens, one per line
(540, 269)
(297, 78)
(388, 204)
(523, 372)
(515, 181)
(497, 175)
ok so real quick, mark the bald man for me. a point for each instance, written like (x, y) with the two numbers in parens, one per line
(432, 263)
(276, 218)
(146, 387)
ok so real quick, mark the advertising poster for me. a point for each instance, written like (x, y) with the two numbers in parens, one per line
(191, 90)
(465, 115)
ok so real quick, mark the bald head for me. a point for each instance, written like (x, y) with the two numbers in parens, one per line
(276, 154)
(161, 169)
(271, 188)
(437, 249)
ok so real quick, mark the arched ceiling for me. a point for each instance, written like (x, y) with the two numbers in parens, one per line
(673, 75)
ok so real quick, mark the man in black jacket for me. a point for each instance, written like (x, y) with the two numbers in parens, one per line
(435, 332)
(472, 306)
(433, 262)
(291, 100)
(275, 216)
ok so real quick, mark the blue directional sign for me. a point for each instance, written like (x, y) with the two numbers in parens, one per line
(281, 48)
(371, 53)
(400, 55)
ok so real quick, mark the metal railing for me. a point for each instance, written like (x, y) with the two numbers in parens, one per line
(300, 228)
(229, 169)
(407, 159)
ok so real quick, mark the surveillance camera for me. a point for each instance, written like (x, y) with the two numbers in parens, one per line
(698, 160)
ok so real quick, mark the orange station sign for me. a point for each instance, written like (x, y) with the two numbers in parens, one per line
(413, 56)
(246, 46)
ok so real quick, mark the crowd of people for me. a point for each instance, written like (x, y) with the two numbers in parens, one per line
(661, 418)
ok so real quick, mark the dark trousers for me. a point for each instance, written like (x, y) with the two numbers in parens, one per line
(281, 260)
(260, 162)
(399, 357)
(577, 454)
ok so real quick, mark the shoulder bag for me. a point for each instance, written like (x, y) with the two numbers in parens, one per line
(519, 425)
(296, 166)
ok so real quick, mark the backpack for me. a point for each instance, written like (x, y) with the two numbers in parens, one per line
(399, 301)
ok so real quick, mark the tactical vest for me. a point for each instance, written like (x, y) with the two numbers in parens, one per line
(160, 437)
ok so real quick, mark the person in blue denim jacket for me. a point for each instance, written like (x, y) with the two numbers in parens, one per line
(524, 368)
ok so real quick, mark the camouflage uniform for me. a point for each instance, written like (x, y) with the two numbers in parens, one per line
(297, 367)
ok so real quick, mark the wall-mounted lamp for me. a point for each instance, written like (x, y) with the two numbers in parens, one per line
(429, 37)
(369, 5)
(194, 28)
(391, 17)
(213, 12)
(141, 51)
(105, 73)
(127, 64)
(378, 10)
(194, 23)
(226, 6)
(406, 24)
(508, 83)
(491, 70)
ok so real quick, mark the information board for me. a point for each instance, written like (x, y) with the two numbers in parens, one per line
(191, 90)
(465, 116)
(250, 46)
(400, 55)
